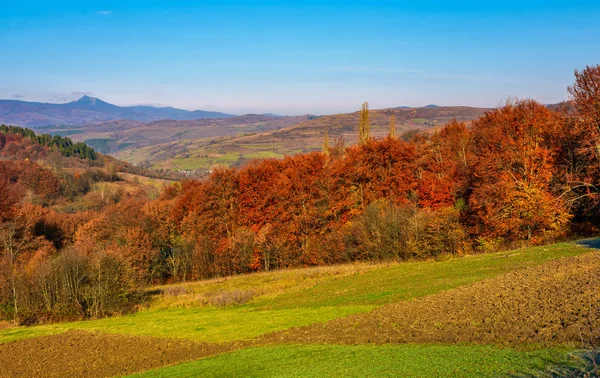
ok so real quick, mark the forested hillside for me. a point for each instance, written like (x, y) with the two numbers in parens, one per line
(64, 146)
(520, 174)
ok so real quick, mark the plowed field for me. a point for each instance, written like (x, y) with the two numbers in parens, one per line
(86, 354)
(552, 303)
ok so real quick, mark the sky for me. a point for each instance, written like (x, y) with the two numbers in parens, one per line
(295, 57)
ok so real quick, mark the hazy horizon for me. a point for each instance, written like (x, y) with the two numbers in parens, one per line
(288, 58)
(169, 106)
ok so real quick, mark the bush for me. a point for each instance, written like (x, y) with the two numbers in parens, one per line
(73, 286)
(386, 231)
(231, 298)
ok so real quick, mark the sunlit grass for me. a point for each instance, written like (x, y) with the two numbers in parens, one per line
(205, 162)
(368, 361)
(206, 324)
(263, 286)
(263, 155)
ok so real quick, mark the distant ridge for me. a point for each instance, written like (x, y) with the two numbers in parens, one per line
(430, 106)
(88, 110)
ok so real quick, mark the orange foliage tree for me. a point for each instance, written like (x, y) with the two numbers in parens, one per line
(512, 174)
(443, 167)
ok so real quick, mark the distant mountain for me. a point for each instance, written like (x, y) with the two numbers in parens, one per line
(430, 106)
(88, 110)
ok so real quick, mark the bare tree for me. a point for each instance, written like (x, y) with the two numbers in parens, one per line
(12, 246)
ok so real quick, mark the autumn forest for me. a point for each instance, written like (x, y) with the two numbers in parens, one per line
(522, 174)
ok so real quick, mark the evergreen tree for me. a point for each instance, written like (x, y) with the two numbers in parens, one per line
(56, 143)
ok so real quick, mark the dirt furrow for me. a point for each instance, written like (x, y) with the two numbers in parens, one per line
(94, 354)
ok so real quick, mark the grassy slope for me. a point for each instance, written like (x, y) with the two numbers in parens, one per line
(328, 297)
(303, 296)
(367, 361)
(404, 282)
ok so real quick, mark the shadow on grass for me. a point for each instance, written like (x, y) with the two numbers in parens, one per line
(590, 243)
(582, 363)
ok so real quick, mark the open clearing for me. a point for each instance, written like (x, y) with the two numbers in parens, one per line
(272, 313)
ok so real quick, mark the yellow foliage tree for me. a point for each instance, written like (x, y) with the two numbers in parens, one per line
(364, 125)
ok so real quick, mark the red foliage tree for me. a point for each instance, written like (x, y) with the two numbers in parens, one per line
(512, 170)
(382, 169)
(10, 193)
(443, 165)
(585, 93)
(578, 146)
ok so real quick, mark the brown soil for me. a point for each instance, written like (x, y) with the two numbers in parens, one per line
(555, 302)
(86, 354)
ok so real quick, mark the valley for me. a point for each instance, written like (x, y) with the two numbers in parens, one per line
(199, 146)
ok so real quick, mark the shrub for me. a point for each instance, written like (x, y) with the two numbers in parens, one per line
(387, 231)
(231, 298)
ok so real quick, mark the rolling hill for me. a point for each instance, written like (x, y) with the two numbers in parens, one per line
(90, 110)
(174, 139)
(305, 136)
(115, 136)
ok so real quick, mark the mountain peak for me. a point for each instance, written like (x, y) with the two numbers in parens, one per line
(87, 110)
(87, 100)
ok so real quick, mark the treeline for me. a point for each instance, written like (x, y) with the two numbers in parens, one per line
(522, 173)
(56, 143)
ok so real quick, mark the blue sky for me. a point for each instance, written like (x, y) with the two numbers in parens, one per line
(295, 57)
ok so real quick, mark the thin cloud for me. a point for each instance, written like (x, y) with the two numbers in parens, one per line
(58, 99)
(104, 13)
(81, 93)
(18, 96)
(153, 104)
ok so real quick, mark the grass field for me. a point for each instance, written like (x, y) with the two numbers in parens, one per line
(368, 361)
(245, 308)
